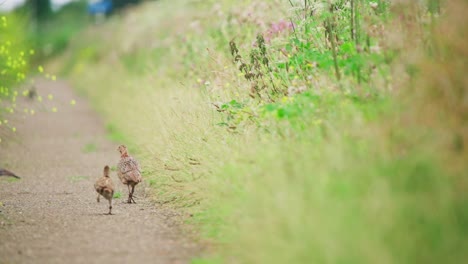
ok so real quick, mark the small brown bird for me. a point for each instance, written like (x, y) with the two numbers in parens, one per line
(32, 92)
(128, 171)
(4, 172)
(105, 187)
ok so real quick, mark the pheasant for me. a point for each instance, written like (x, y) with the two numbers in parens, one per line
(105, 187)
(4, 172)
(128, 171)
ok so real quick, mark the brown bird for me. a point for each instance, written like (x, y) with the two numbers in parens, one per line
(4, 172)
(105, 187)
(32, 92)
(128, 171)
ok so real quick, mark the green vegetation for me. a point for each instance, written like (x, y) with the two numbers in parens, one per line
(78, 178)
(117, 195)
(9, 179)
(53, 36)
(90, 147)
(51, 32)
(337, 138)
(23, 43)
(14, 63)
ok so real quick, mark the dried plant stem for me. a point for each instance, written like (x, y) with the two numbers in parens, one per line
(330, 30)
(356, 31)
(306, 7)
(352, 20)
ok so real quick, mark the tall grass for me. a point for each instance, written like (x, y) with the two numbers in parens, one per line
(293, 166)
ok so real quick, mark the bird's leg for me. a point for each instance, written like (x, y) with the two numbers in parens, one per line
(110, 206)
(98, 196)
(129, 195)
(133, 189)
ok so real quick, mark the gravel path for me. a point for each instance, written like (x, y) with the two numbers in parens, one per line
(51, 214)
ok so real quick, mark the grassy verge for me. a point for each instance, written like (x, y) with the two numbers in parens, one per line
(325, 147)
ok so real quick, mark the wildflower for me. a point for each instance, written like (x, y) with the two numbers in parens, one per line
(40, 69)
(50, 96)
(373, 5)
(54, 109)
(73, 102)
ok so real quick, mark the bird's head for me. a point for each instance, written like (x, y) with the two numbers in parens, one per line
(122, 150)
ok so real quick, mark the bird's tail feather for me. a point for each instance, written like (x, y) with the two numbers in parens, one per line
(106, 171)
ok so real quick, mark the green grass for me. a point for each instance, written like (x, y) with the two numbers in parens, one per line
(206, 261)
(117, 195)
(89, 148)
(78, 178)
(114, 134)
(9, 179)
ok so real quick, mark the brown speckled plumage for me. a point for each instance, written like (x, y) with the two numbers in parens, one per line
(128, 171)
(105, 187)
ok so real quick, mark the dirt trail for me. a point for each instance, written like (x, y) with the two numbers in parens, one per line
(51, 214)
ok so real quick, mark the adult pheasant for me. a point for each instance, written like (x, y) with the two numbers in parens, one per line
(4, 172)
(105, 187)
(128, 171)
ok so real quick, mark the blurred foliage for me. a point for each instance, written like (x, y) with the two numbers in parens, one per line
(52, 35)
(41, 9)
(14, 66)
(17, 71)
